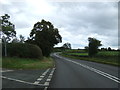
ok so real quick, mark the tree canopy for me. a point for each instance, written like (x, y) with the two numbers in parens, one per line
(67, 46)
(93, 46)
(45, 36)
(19, 39)
(8, 28)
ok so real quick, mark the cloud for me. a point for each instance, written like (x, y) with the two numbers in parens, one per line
(97, 20)
(76, 21)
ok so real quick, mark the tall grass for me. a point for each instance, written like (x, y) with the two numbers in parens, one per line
(23, 63)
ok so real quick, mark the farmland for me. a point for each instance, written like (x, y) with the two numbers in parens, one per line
(106, 57)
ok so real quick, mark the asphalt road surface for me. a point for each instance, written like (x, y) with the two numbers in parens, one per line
(32, 79)
(71, 73)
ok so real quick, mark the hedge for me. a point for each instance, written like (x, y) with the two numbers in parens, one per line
(22, 50)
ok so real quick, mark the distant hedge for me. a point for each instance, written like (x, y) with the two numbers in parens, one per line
(22, 50)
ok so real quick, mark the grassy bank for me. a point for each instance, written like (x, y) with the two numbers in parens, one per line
(0, 62)
(23, 63)
(106, 57)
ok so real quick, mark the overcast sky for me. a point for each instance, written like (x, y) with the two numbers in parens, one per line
(76, 21)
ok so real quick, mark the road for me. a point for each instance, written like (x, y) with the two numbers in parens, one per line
(71, 73)
(26, 79)
(68, 73)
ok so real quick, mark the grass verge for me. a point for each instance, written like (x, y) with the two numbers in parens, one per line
(0, 62)
(94, 59)
(23, 63)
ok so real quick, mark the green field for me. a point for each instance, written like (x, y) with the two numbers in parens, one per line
(23, 63)
(101, 53)
(107, 57)
(79, 54)
(108, 53)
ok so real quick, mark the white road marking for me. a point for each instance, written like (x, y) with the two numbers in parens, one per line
(49, 78)
(116, 79)
(45, 88)
(36, 82)
(25, 82)
(45, 72)
(6, 70)
(47, 83)
(51, 74)
(42, 76)
(39, 79)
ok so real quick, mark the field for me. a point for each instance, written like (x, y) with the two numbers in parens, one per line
(108, 53)
(23, 63)
(107, 57)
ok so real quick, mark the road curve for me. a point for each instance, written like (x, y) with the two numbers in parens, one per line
(72, 73)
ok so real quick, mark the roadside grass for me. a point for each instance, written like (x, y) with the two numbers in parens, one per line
(108, 53)
(79, 54)
(105, 57)
(74, 51)
(0, 62)
(100, 53)
(23, 63)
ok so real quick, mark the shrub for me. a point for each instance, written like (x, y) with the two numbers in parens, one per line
(23, 50)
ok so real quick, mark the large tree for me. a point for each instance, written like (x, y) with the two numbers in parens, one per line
(45, 36)
(8, 28)
(93, 46)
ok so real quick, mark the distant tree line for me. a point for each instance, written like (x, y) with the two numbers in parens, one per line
(107, 49)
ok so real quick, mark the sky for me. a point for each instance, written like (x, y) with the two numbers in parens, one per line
(76, 21)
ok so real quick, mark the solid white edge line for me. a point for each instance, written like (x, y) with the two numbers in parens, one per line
(22, 81)
(6, 70)
(95, 70)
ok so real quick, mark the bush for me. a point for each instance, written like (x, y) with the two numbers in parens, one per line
(23, 50)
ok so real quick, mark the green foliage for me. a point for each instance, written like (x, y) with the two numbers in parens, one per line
(23, 50)
(21, 39)
(93, 46)
(8, 28)
(79, 54)
(15, 40)
(86, 48)
(109, 49)
(27, 63)
(45, 36)
(108, 53)
(107, 57)
(75, 51)
(67, 46)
